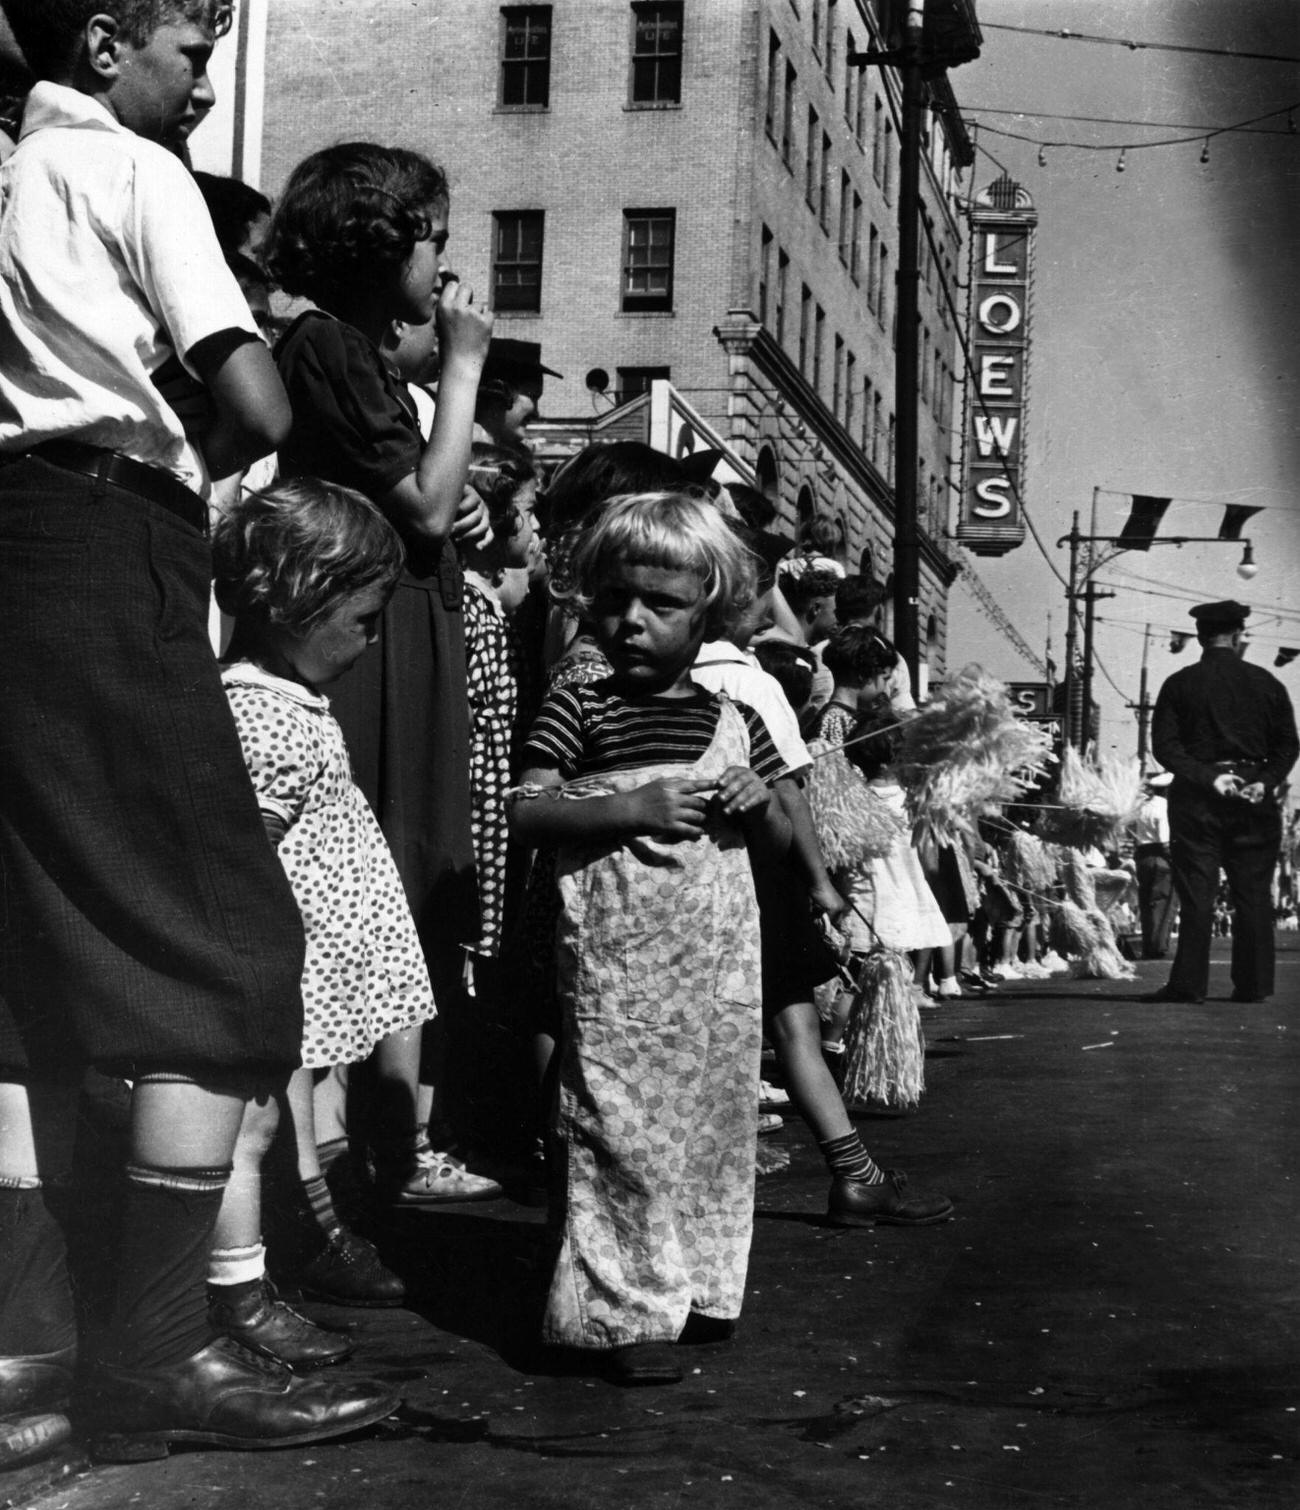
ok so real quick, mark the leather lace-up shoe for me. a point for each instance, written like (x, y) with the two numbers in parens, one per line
(1165, 993)
(854, 1203)
(264, 1324)
(642, 1363)
(349, 1272)
(222, 1396)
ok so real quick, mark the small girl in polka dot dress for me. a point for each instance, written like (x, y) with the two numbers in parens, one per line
(305, 569)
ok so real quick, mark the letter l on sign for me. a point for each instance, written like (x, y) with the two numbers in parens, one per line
(991, 263)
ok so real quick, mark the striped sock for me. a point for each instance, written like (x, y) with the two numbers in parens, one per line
(318, 1197)
(846, 1156)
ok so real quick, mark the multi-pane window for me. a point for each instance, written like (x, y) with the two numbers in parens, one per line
(855, 239)
(634, 381)
(817, 25)
(823, 184)
(877, 139)
(887, 180)
(517, 261)
(819, 336)
(657, 52)
(773, 83)
(837, 376)
(830, 40)
(846, 197)
(882, 306)
(805, 327)
(648, 238)
(850, 79)
(863, 439)
(850, 382)
(877, 413)
(526, 57)
(787, 114)
(810, 158)
(764, 275)
(873, 270)
(782, 285)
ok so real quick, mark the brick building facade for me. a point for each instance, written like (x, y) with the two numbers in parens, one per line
(704, 191)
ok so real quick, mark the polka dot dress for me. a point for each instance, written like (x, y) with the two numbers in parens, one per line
(364, 976)
(494, 672)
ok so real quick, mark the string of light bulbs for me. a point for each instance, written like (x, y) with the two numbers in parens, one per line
(1124, 148)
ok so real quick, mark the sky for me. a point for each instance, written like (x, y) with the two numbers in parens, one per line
(1166, 320)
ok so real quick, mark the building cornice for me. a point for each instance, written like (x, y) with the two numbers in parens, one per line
(741, 334)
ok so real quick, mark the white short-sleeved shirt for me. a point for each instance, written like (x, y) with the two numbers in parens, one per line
(109, 269)
(721, 667)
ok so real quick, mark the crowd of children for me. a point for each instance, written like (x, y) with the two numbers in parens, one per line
(471, 863)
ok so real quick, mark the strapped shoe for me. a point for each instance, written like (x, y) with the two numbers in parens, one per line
(349, 1272)
(892, 1203)
(431, 1177)
(262, 1322)
(222, 1396)
(642, 1363)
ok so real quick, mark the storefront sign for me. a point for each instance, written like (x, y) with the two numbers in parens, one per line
(1002, 226)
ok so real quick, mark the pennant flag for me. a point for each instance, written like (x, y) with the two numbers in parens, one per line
(1234, 516)
(1177, 641)
(1142, 523)
(1285, 656)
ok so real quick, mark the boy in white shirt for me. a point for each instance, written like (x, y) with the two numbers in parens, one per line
(148, 927)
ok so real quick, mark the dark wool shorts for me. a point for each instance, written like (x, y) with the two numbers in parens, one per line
(145, 921)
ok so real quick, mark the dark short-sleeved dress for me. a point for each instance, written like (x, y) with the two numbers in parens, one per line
(404, 707)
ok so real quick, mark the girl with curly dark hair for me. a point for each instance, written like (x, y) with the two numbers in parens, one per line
(360, 230)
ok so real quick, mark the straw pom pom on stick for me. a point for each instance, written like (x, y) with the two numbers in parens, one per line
(1097, 800)
(884, 1046)
(1028, 863)
(965, 749)
(854, 824)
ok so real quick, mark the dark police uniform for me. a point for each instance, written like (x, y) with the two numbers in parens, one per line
(1223, 716)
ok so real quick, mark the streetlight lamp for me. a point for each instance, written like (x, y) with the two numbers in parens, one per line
(1078, 688)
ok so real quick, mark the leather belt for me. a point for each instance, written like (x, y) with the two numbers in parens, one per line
(112, 469)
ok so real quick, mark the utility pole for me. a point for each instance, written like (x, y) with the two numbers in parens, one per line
(1144, 705)
(934, 35)
(1071, 641)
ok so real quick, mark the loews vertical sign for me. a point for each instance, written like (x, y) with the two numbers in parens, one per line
(1002, 230)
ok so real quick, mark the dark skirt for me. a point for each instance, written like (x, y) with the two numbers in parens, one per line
(147, 923)
(404, 711)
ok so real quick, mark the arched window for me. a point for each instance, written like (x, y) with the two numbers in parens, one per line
(769, 481)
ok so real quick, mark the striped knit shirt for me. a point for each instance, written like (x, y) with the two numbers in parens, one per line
(589, 730)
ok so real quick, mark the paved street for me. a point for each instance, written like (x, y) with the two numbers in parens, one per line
(1111, 1320)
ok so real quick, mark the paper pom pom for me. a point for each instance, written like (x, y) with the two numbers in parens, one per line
(965, 749)
(1097, 798)
(1028, 863)
(884, 1046)
(854, 824)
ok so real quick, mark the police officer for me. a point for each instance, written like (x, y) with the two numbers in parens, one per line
(1226, 731)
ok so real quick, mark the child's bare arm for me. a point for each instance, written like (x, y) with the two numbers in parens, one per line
(806, 850)
(428, 500)
(251, 409)
(674, 808)
(742, 796)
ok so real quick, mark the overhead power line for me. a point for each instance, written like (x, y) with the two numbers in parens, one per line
(1067, 34)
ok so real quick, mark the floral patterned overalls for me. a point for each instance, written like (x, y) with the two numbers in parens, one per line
(659, 972)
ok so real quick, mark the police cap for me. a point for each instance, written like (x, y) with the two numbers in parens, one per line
(1219, 618)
